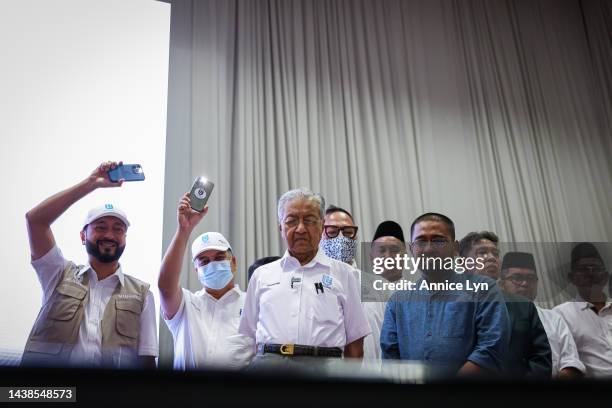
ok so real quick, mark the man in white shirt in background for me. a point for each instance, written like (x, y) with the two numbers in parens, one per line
(387, 242)
(204, 324)
(589, 315)
(305, 305)
(339, 242)
(522, 280)
(93, 315)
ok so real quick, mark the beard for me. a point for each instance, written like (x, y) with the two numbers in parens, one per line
(101, 255)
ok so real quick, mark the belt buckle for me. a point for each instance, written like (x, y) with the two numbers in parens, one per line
(286, 349)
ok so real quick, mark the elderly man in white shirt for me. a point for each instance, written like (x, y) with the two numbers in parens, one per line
(306, 304)
(93, 315)
(204, 324)
(589, 316)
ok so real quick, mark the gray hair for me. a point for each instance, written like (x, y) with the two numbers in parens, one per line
(299, 194)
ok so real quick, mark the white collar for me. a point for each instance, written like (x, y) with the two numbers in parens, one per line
(588, 305)
(118, 273)
(233, 292)
(289, 263)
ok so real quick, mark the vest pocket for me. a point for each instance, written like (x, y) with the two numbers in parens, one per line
(66, 302)
(128, 317)
(44, 347)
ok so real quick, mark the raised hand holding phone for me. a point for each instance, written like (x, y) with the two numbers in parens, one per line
(100, 176)
(188, 218)
(200, 193)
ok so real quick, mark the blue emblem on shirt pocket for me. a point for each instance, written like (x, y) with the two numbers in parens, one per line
(327, 281)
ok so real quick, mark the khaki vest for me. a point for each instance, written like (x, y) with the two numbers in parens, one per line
(56, 329)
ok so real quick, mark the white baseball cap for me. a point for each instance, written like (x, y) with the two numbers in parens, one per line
(209, 240)
(106, 210)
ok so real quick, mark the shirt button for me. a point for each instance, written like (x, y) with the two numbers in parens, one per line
(428, 334)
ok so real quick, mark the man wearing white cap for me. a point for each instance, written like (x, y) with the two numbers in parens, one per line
(204, 324)
(93, 314)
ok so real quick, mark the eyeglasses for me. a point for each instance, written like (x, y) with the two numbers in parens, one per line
(332, 231)
(436, 243)
(308, 221)
(521, 278)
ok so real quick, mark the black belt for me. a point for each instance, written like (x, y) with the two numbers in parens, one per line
(300, 350)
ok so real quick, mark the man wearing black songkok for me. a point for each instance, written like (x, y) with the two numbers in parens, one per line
(589, 315)
(387, 242)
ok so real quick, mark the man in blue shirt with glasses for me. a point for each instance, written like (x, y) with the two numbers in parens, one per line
(453, 330)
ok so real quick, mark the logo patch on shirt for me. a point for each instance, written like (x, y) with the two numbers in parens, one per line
(128, 296)
(327, 281)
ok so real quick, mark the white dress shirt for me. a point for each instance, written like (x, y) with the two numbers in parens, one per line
(562, 344)
(88, 348)
(276, 311)
(205, 331)
(592, 333)
(375, 315)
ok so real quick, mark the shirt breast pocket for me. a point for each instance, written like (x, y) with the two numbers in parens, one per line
(455, 320)
(326, 309)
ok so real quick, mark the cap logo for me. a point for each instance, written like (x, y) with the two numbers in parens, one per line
(205, 239)
(108, 206)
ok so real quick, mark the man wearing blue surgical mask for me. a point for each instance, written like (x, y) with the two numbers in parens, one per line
(204, 324)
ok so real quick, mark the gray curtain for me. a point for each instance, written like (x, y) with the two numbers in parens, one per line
(496, 113)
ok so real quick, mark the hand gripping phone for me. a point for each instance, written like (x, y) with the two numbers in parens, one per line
(128, 172)
(200, 193)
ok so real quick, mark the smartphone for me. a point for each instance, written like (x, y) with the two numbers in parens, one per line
(128, 172)
(200, 193)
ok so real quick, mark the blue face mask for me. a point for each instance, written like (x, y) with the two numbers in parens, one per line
(216, 275)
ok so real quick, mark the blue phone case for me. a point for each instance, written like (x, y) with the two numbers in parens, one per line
(128, 172)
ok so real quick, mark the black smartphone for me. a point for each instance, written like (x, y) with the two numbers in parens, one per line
(200, 193)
